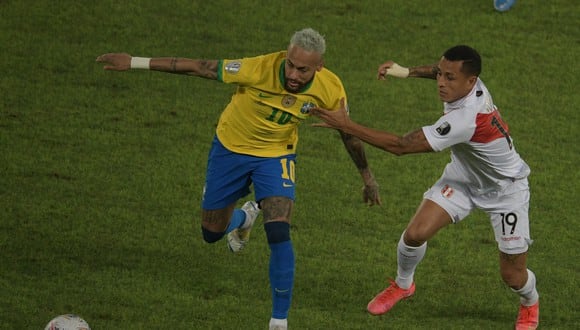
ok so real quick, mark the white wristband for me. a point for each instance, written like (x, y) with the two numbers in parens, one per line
(398, 71)
(140, 62)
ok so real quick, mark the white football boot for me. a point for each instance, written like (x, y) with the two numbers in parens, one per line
(239, 237)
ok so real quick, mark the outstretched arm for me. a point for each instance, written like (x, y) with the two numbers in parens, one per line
(123, 62)
(412, 142)
(391, 68)
(355, 149)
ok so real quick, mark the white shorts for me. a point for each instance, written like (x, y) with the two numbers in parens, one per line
(507, 209)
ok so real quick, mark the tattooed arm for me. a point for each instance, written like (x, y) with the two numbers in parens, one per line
(413, 142)
(200, 68)
(123, 61)
(355, 148)
(425, 71)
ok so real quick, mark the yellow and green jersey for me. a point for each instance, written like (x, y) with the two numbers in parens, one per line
(262, 118)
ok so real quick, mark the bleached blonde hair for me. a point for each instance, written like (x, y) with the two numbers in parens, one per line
(310, 40)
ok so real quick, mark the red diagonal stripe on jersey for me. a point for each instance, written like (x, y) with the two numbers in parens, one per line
(486, 130)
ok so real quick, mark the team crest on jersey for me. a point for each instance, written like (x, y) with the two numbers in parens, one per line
(447, 191)
(306, 107)
(444, 128)
(233, 67)
(288, 101)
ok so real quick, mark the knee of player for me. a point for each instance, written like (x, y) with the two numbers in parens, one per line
(414, 237)
(514, 279)
(513, 269)
(277, 231)
(211, 236)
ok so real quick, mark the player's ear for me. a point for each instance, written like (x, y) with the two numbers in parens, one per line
(472, 80)
(320, 65)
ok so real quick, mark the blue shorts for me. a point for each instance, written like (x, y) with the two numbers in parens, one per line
(229, 176)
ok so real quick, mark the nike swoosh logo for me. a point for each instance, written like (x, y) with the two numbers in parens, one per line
(287, 185)
(281, 291)
(265, 96)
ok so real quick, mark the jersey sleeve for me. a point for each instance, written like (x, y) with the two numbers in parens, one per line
(333, 91)
(452, 128)
(245, 71)
(336, 104)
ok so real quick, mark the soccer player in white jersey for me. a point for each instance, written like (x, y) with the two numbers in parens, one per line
(255, 144)
(485, 172)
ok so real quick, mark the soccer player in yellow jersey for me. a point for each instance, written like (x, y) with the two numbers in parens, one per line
(255, 143)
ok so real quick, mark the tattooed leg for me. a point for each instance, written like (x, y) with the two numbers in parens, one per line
(217, 220)
(277, 209)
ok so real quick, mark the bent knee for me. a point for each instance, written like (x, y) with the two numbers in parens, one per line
(420, 231)
(211, 236)
(414, 237)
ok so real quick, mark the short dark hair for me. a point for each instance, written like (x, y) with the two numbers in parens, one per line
(470, 57)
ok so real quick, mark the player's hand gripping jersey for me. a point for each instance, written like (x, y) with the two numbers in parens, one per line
(262, 118)
(482, 151)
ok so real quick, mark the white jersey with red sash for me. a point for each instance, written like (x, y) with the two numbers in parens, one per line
(483, 155)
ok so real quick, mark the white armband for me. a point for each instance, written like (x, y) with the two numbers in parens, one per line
(398, 71)
(140, 62)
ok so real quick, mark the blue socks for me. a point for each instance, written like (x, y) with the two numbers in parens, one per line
(281, 270)
(238, 219)
(281, 267)
(281, 278)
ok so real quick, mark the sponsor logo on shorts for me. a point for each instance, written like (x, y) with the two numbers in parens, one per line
(513, 238)
(447, 191)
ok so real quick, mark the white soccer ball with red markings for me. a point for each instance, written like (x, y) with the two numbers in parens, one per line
(67, 322)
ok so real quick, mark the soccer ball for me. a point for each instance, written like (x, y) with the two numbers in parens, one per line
(67, 322)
